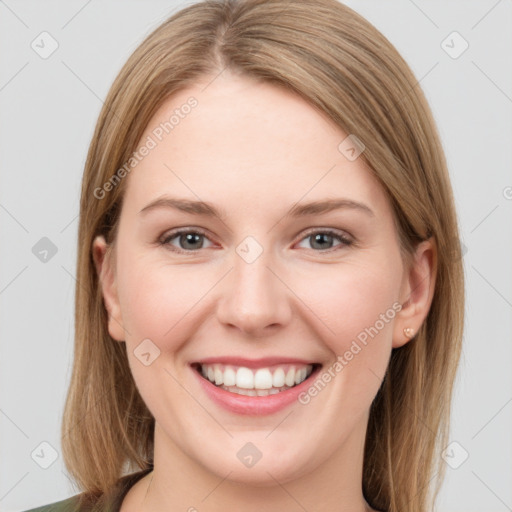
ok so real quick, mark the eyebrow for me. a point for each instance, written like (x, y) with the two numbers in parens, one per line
(298, 210)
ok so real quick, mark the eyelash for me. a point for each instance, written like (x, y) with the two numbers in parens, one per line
(165, 241)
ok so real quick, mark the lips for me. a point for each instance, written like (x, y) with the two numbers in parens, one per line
(254, 363)
(254, 386)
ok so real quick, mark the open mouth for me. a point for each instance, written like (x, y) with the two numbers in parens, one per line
(265, 381)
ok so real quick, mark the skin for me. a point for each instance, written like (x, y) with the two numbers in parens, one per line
(255, 150)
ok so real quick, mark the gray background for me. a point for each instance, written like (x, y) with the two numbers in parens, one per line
(49, 108)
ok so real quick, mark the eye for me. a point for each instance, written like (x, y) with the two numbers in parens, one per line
(323, 239)
(191, 240)
(188, 240)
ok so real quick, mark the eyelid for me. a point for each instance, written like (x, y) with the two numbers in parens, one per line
(330, 231)
(180, 230)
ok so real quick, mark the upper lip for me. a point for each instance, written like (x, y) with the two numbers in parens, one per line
(254, 363)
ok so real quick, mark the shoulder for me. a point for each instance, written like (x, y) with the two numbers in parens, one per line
(72, 504)
(83, 502)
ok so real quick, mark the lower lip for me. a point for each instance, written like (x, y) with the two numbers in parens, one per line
(254, 405)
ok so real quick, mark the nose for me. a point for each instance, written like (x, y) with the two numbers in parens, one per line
(254, 298)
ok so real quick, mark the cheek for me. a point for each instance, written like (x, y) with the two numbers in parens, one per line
(357, 315)
(157, 303)
(157, 299)
(355, 306)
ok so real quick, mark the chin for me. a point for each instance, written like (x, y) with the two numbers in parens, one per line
(274, 465)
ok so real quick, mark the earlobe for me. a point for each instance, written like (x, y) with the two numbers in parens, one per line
(417, 291)
(103, 260)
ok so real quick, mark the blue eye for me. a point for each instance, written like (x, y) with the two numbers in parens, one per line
(188, 240)
(191, 240)
(324, 239)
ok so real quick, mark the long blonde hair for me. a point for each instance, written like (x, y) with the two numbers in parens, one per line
(338, 62)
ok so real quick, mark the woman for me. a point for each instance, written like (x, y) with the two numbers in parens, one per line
(269, 306)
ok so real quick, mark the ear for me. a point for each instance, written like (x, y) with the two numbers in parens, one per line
(103, 256)
(416, 292)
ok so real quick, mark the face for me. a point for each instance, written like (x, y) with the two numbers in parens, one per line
(260, 295)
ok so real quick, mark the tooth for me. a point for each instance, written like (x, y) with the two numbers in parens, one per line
(278, 378)
(263, 379)
(218, 375)
(251, 392)
(244, 378)
(290, 377)
(300, 375)
(229, 377)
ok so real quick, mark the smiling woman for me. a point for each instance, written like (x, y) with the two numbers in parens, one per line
(270, 302)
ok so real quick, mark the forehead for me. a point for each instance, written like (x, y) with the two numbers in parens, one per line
(242, 142)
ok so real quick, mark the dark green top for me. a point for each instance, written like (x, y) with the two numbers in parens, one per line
(108, 502)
